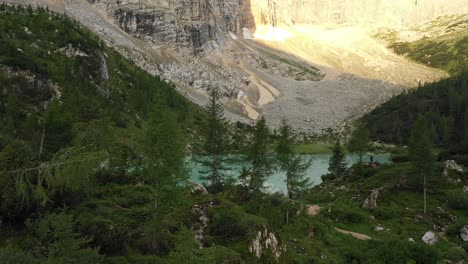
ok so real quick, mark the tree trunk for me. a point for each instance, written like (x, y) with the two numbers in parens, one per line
(425, 205)
(42, 142)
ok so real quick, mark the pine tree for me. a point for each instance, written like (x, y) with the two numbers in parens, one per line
(421, 153)
(337, 162)
(292, 164)
(62, 244)
(257, 157)
(165, 165)
(215, 142)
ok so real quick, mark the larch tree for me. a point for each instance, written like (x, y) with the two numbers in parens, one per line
(257, 157)
(337, 164)
(294, 165)
(215, 142)
(359, 142)
(421, 153)
(165, 165)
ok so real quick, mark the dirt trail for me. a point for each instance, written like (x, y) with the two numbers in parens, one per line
(354, 234)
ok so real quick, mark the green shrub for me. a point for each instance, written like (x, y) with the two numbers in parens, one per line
(229, 224)
(458, 200)
(346, 214)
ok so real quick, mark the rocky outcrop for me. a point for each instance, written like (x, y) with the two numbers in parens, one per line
(182, 25)
(429, 238)
(389, 13)
(451, 165)
(266, 240)
(371, 201)
(199, 227)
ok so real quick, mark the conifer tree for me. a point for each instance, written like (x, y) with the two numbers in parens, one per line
(421, 153)
(292, 164)
(215, 142)
(165, 165)
(359, 141)
(257, 157)
(337, 163)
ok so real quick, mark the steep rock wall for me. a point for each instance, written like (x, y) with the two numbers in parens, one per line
(387, 13)
(183, 24)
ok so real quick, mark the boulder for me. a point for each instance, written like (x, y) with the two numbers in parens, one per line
(199, 189)
(464, 233)
(313, 210)
(371, 201)
(451, 165)
(429, 238)
(342, 188)
(379, 229)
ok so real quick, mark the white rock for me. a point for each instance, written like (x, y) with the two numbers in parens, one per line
(464, 233)
(379, 229)
(451, 165)
(232, 35)
(429, 238)
(411, 240)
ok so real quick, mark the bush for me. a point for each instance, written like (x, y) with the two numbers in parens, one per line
(230, 224)
(458, 200)
(344, 214)
(399, 158)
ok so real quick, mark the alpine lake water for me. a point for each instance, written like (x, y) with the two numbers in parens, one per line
(276, 181)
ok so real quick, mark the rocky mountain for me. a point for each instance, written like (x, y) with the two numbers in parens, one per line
(314, 62)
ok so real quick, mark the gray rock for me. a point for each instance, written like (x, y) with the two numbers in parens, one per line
(379, 229)
(199, 189)
(266, 240)
(429, 238)
(451, 165)
(464, 233)
(371, 201)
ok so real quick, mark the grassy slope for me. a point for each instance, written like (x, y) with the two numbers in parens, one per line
(443, 45)
(34, 62)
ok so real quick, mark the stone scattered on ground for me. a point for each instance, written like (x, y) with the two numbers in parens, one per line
(342, 188)
(464, 233)
(313, 210)
(429, 238)
(379, 229)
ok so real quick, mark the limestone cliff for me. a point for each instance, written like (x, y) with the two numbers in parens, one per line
(185, 25)
(388, 13)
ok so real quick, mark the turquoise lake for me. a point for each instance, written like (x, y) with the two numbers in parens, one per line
(276, 182)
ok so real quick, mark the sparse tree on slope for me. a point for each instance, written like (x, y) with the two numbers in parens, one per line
(359, 142)
(337, 163)
(215, 137)
(292, 164)
(257, 157)
(295, 166)
(421, 153)
(165, 165)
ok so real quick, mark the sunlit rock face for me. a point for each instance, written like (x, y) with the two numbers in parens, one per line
(388, 13)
